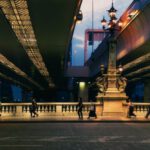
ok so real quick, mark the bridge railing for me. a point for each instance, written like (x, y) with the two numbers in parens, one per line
(48, 109)
(63, 109)
(140, 109)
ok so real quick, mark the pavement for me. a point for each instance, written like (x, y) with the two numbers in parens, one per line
(18, 119)
(75, 136)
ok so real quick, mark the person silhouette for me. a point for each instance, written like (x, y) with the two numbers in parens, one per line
(130, 110)
(33, 108)
(92, 112)
(80, 106)
(148, 112)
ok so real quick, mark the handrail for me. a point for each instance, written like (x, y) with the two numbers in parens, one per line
(51, 103)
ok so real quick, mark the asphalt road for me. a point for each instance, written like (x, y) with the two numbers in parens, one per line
(75, 136)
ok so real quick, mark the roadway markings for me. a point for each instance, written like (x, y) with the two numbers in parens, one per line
(6, 138)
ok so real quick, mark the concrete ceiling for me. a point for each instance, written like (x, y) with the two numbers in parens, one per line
(53, 24)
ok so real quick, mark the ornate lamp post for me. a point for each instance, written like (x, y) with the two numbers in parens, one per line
(111, 85)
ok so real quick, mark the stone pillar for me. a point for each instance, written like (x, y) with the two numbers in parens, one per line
(0, 108)
(70, 88)
(19, 110)
(112, 97)
(0, 96)
(59, 109)
(24, 95)
(112, 73)
(147, 91)
(83, 91)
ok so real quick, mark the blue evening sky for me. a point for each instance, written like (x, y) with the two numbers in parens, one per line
(100, 10)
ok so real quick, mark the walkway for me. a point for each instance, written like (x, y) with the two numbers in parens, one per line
(72, 119)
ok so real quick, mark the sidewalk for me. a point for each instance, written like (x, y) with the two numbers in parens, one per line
(72, 119)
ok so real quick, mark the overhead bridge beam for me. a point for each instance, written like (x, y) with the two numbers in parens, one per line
(17, 13)
(139, 71)
(138, 61)
(8, 64)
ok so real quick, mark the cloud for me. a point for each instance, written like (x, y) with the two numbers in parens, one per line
(79, 46)
(78, 37)
(100, 10)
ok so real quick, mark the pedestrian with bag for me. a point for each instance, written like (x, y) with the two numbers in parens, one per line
(92, 112)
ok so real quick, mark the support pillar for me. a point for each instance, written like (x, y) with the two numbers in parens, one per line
(147, 91)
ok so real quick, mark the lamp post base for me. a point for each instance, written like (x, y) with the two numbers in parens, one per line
(113, 103)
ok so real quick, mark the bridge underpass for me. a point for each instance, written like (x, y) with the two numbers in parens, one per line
(35, 38)
(35, 61)
(21, 64)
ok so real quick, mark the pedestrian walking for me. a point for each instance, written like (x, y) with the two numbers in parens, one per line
(130, 109)
(92, 112)
(148, 112)
(33, 108)
(80, 106)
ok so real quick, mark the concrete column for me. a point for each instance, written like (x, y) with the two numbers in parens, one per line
(19, 110)
(147, 91)
(24, 95)
(0, 108)
(70, 88)
(83, 91)
(0, 96)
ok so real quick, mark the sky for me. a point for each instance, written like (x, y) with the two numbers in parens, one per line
(100, 8)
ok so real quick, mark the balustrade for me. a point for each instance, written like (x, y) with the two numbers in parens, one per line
(62, 109)
(56, 109)
(140, 109)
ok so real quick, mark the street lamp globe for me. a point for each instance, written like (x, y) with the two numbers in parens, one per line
(120, 68)
(79, 17)
(112, 11)
(113, 23)
(104, 22)
(120, 23)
